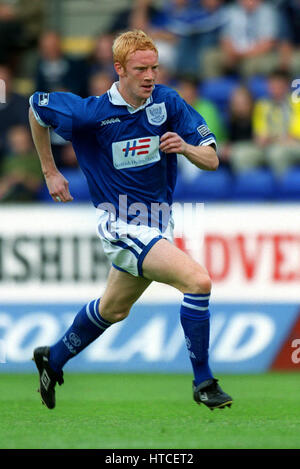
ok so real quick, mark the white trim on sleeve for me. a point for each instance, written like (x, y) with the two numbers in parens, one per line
(39, 120)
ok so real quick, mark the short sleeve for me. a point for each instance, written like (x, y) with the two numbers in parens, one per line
(64, 112)
(189, 124)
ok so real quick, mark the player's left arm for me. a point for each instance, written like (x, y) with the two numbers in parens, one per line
(202, 156)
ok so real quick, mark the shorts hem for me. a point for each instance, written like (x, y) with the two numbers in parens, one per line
(144, 253)
(120, 269)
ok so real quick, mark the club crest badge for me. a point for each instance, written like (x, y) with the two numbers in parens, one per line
(157, 113)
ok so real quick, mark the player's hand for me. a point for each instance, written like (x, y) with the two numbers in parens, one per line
(170, 142)
(58, 187)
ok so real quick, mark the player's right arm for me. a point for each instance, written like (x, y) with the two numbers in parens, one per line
(189, 135)
(67, 114)
(57, 184)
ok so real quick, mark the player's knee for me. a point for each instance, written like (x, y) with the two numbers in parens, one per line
(200, 282)
(119, 316)
(115, 315)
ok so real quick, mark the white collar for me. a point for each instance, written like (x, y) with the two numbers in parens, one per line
(116, 98)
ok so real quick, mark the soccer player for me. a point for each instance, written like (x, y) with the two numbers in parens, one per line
(126, 142)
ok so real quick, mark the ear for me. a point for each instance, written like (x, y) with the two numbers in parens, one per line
(120, 70)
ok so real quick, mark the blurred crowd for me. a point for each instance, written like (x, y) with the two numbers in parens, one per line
(235, 62)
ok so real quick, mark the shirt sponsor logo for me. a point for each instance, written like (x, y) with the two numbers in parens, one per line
(157, 113)
(135, 152)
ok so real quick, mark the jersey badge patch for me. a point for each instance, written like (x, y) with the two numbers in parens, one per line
(43, 99)
(203, 130)
(157, 113)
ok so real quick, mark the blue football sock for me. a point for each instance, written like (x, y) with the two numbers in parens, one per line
(87, 326)
(194, 316)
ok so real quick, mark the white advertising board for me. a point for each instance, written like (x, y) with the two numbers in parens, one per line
(52, 253)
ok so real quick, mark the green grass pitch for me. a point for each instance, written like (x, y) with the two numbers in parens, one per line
(149, 411)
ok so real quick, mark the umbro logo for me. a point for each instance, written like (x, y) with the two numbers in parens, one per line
(203, 396)
(113, 120)
(45, 380)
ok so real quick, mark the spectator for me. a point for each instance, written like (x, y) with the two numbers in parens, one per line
(11, 34)
(99, 83)
(31, 13)
(189, 89)
(14, 111)
(276, 124)
(146, 16)
(185, 30)
(197, 26)
(21, 176)
(249, 38)
(57, 72)
(164, 76)
(240, 126)
(142, 14)
(275, 130)
(240, 151)
(101, 58)
(290, 36)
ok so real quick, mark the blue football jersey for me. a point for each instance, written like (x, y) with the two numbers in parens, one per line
(117, 146)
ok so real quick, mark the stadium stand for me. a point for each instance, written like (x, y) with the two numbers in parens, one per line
(288, 186)
(256, 184)
(218, 90)
(86, 27)
(205, 187)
